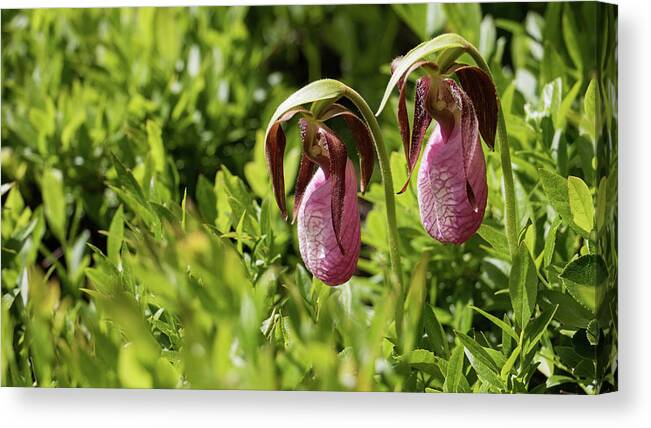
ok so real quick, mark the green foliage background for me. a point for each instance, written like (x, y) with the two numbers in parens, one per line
(141, 246)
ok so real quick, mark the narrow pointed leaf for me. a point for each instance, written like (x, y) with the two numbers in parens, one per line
(454, 375)
(435, 332)
(478, 352)
(498, 322)
(508, 365)
(116, 236)
(523, 286)
(534, 331)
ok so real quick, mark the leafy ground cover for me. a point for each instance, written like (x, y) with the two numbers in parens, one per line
(141, 245)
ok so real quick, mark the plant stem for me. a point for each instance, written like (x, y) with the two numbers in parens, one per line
(510, 209)
(387, 182)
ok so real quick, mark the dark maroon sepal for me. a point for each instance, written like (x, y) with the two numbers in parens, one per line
(363, 140)
(337, 173)
(274, 150)
(403, 117)
(306, 170)
(481, 90)
(422, 119)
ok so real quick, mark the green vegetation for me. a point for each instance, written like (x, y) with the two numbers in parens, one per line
(142, 247)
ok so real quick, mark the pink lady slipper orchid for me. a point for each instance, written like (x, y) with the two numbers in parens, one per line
(452, 190)
(325, 198)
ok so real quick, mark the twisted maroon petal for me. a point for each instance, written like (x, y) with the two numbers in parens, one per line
(338, 158)
(452, 189)
(306, 170)
(403, 117)
(363, 140)
(481, 90)
(364, 143)
(403, 121)
(331, 260)
(468, 124)
(422, 119)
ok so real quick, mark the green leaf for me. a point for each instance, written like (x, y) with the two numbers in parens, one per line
(116, 236)
(206, 200)
(495, 238)
(586, 270)
(534, 331)
(183, 208)
(414, 303)
(487, 37)
(498, 322)
(54, 200)
(555, 188)
(125, 179)
(480, 360)
(130, 370)
(444, 41)
(551, 98)
(464, 18)
(550, 243)
(591, 104)
(155, 142)
(523, 286)
(435, 332)
(569, 313)
(592, 332)
(507, 340)
(585, 279)
(508, 365)
(423, 18)
(570, 36)
(421, 359)
(454, 376)
(241, 202)
(566, 105)
(478, 353)
(581, 204)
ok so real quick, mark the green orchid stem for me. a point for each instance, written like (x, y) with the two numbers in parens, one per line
(387, 182)
(510, 212)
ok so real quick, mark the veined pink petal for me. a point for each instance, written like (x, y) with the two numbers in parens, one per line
(316, 235)
(451, 197)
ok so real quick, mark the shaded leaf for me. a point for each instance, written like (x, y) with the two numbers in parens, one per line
(523, 286)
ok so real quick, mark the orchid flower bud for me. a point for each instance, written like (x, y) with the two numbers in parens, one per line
(325, 198)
